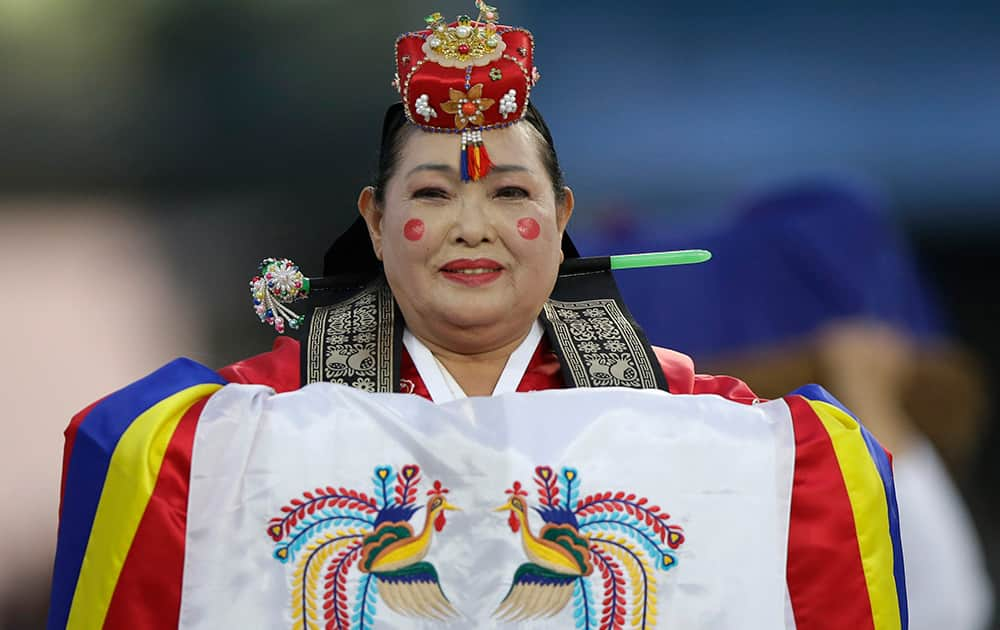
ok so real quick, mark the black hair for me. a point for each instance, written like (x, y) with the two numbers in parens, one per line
(396, 130)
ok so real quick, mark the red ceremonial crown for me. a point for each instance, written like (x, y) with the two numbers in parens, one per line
(466, 77)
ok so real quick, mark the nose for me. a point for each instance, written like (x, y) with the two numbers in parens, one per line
(473, 223)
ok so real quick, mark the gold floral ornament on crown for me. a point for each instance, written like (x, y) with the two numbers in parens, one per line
(468, 107)
(467, 43)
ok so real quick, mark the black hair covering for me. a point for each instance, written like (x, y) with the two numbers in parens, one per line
(352, 252)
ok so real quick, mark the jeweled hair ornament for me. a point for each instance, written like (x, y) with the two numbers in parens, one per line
(278, 282)
(466, 77)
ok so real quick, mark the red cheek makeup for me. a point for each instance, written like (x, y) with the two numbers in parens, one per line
(529, 229)
(414, 230)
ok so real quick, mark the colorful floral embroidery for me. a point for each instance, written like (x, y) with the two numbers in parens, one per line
(331, 530)
(610, 540)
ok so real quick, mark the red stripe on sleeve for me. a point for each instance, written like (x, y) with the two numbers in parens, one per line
(148, 594)
(826, 580)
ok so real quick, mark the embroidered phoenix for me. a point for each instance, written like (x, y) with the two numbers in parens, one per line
(331, 530)
(616, 539)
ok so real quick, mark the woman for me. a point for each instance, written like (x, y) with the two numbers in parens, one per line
(451, 290)
(470, 265)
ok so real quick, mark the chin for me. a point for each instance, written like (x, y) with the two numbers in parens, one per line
(479, 316)
(475, 311)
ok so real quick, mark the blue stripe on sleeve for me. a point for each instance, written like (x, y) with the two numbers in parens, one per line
(95, 442)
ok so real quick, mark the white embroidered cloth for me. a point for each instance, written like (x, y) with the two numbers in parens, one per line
(721, 470)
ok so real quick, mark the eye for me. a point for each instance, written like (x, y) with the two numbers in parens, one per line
(430, 192)
(512, 192)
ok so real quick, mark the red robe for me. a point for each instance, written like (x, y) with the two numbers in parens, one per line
(280, 369)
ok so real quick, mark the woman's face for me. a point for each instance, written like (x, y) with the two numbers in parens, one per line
(469, 263)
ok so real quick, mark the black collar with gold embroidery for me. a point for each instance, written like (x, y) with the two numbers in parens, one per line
(354, 337)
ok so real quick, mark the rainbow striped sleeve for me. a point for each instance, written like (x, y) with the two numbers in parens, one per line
(845, 560)
(119, 555)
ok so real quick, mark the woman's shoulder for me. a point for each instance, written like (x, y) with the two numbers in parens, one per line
(279, 368)
(683, 379)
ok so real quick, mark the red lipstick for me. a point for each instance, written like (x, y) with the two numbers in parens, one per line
(472, 273)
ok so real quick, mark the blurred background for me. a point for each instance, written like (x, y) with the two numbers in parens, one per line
(153, 152)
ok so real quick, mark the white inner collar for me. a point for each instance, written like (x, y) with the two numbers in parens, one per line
(443, 387)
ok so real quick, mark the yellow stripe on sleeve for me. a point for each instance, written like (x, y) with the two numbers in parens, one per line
(132, 474)
(868, 503)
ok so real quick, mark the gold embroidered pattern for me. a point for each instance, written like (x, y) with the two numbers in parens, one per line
(351, 342)
(600, 346)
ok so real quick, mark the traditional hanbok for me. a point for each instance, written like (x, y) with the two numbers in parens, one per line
(344, 481)
(202, 499)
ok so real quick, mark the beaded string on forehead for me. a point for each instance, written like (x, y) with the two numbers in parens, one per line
(466, 77)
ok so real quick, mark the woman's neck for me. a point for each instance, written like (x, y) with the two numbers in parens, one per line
(477, 371)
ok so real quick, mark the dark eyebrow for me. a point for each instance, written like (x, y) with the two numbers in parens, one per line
(441, 168)
(510, 168)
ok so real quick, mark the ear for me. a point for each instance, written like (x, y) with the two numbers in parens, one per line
(372, 215)
(563, 212)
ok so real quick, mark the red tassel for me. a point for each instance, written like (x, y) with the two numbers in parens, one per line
(484, 164)
(470, 164)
